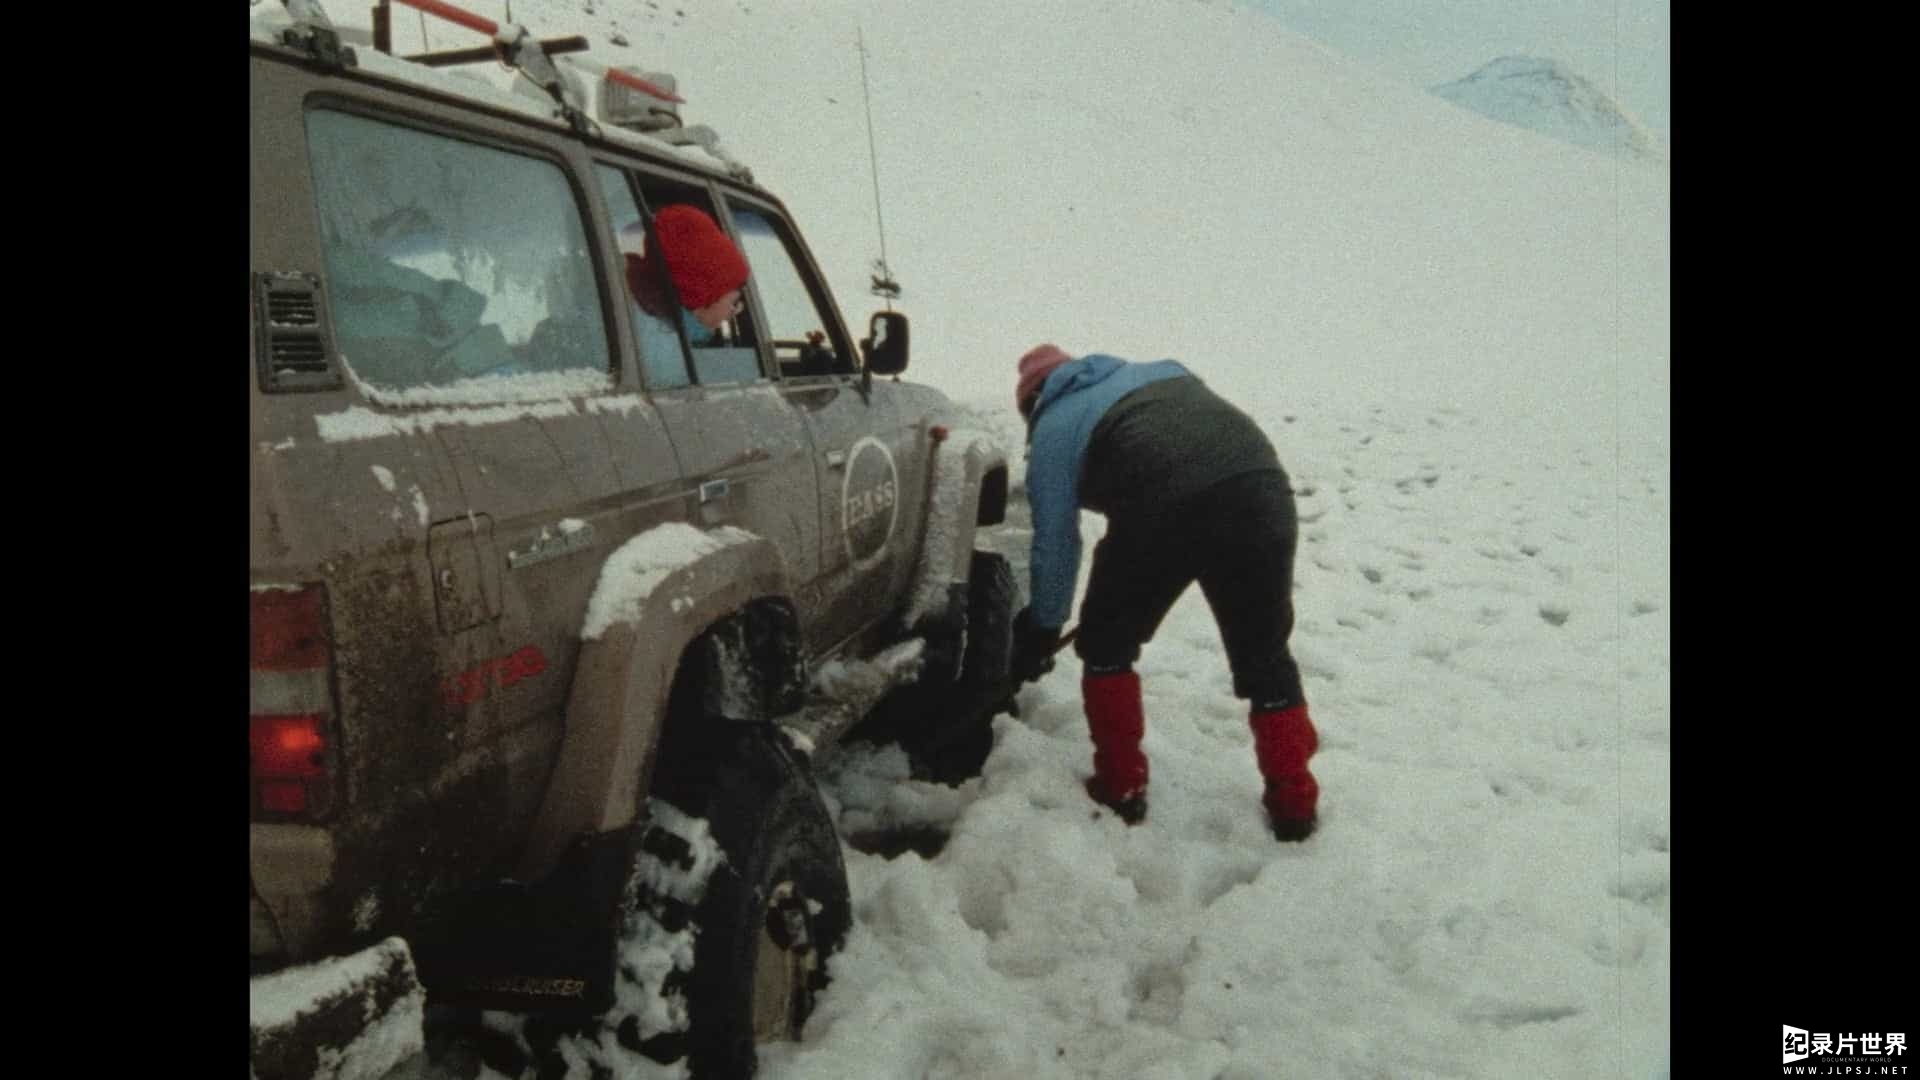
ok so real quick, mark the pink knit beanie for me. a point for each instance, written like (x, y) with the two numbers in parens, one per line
(1034, 369)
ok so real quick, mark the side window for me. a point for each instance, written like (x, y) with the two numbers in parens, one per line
(448, 260)
(796, 326)
(726, 355)
(663, 360)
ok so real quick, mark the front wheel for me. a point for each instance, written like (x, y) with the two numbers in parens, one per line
(947, 729)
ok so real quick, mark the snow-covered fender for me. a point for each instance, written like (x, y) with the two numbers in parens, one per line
(966, 488)
(656, 596)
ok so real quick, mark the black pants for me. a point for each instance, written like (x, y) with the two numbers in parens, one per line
(1237, 539)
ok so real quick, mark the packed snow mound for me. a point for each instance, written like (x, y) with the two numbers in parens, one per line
(1544, 96)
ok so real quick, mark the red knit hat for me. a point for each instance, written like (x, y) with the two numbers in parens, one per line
(702, 261)
(1034, 369)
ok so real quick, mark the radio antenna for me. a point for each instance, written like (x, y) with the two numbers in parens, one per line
(883, 283)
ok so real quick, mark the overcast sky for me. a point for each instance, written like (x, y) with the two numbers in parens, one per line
(1621, 46)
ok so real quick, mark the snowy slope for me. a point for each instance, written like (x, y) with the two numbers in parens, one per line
(1457, 334)
(1547, 97)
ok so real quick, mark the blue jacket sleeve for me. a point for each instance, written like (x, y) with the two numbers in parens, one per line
(1053, 483)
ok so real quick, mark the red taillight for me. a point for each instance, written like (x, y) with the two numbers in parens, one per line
(292, 701)
(286, 752)
(286, 747)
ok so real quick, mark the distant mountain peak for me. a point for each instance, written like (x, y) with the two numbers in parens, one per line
(1548, 97)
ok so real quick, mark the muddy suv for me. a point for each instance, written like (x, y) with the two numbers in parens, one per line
(553, 601)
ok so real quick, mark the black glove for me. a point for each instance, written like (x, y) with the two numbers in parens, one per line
(1033, 647)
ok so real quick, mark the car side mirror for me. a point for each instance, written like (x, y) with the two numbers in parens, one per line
(886, 347)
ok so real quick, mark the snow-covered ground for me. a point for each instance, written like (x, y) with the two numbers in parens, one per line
(1457, 334)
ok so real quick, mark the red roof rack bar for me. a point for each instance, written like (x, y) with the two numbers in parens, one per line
(455, 15)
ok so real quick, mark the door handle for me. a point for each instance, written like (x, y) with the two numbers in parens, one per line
(836, 459)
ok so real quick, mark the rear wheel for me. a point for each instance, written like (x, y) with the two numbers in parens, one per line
(764, 917)
(738, 896)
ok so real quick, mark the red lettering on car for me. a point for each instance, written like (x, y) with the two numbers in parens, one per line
(469, 686)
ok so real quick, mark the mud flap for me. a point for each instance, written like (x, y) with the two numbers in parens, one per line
(549, 947)
(347, 1018)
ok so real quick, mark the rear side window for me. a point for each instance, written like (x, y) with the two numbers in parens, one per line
(449, 261)
(728, 354)
(663, 362)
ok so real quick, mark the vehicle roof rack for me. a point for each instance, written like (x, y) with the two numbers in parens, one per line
(584, 92)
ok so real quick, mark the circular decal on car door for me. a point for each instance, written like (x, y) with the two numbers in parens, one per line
(869, 498)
